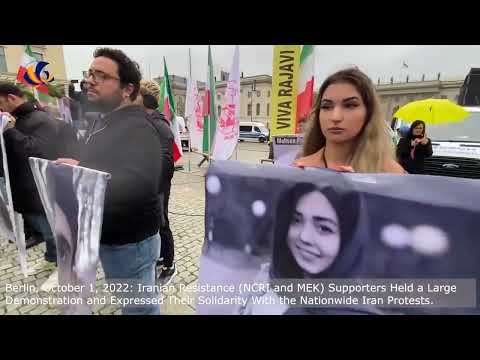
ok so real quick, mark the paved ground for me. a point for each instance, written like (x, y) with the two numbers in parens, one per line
(187, 205)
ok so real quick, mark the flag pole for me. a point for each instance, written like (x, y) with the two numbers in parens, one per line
(188, 120)
(35, 94)
(149, 72)
(236, 151)
(212, 109)
(207, 129)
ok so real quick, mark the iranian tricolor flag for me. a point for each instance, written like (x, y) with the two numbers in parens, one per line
(209, 114)
(46, 99)
(28, 63)
(305, 85)
(167, 106)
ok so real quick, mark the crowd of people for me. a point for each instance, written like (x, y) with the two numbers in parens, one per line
(125, 133)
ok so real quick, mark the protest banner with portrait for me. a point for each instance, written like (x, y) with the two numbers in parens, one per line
(73, 198)
(11, 222)
(346, 243)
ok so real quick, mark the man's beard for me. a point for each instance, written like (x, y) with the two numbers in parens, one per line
(106, 105)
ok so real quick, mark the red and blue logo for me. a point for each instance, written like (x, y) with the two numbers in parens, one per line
(36, 74)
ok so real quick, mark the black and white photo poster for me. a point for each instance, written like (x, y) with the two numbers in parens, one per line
(283, 240)
(6, 227)
(73, 199)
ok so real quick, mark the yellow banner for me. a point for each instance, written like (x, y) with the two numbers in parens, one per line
(286, 63)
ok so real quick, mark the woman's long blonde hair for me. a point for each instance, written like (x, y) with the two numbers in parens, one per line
(373, 145)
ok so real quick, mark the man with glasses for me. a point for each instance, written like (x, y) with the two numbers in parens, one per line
(123, 143)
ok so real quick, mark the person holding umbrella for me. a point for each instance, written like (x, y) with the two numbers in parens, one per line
(416, 146)
(413, 149)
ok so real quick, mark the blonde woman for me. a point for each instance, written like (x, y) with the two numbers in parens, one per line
(346, 130)
(150, 87)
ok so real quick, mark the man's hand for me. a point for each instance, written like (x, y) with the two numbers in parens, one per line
(10, 125)
(11, 120)
(67, 161)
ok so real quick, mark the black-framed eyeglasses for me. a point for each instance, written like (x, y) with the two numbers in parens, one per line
(99, 76)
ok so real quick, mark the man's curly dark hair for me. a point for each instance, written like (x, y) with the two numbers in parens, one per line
(128, 70)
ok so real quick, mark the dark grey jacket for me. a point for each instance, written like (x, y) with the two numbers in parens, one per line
(127, 147)
(35, 135)
(165, 135)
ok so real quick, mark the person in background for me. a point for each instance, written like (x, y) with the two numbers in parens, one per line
(403, 131)
(270, 149)
(393, 134)
(413, 149)
(166, 268)
(75, 106)
(82, 96)
(31, 133)
(88, 112)
(347, 130)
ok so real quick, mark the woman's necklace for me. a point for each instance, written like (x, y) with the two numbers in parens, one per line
(324, 158)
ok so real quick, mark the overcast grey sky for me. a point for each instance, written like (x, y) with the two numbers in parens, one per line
(384, 61)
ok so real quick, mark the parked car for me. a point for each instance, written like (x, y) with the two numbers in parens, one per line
(253, 131)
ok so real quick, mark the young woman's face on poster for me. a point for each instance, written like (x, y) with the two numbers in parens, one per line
(314, 233)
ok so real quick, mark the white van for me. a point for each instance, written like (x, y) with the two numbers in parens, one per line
(253, 131)
(456, 147)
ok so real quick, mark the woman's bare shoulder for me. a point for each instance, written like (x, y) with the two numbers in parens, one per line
(312, 160)
(393, 167)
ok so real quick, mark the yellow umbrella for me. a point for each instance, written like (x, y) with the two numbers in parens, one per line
(432, 111)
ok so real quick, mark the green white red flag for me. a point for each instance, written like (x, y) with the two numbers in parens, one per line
(305, 84)
(167, 106)
(209, 114)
